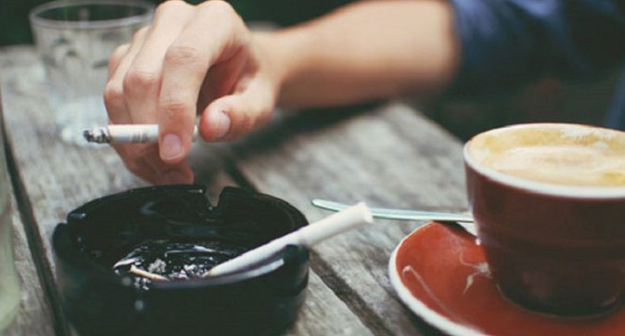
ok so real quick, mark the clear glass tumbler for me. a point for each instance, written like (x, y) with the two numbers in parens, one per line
(75, 39)
(9, 286)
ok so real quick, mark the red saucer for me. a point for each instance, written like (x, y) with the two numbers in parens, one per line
(440, 273)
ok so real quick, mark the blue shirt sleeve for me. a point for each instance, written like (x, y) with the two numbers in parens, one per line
(506, 43)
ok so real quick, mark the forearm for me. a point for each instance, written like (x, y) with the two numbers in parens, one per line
(368, 50)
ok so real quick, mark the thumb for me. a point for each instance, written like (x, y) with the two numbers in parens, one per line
(233, 116)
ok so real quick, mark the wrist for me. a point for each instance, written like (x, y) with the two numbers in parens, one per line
(284, 54)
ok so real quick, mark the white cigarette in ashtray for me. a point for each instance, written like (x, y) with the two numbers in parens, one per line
(307, 236)
(136, 133)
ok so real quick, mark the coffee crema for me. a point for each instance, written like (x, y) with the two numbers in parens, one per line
(563, 154)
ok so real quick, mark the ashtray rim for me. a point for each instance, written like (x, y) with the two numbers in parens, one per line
(69, 252)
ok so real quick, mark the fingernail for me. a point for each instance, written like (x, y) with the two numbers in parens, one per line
(174, 177)
(222, 124)
(171, 148)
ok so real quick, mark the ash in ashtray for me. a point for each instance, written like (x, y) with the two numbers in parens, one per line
(175, 260)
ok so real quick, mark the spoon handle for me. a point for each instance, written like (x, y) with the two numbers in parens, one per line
(399, 214)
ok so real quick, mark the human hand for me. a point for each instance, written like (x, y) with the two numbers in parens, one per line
(192, 60)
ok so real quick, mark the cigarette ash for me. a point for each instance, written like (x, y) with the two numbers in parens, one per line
(175, 260)
(97, 135)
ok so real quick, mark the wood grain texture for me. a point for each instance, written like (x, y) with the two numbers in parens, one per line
(324, 314)
(34, 317)
(389, 156)
(54, 178)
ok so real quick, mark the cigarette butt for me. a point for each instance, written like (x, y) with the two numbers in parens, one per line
(145, 274)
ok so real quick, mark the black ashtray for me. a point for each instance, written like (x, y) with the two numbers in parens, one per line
(174, 231)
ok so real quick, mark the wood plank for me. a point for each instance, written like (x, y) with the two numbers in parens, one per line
(49, 170)
(387, 156)
(324, 313)
(34, 317)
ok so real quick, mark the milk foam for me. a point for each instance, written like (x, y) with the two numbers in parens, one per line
(561, 154)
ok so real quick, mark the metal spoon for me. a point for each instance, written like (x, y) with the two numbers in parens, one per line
(465, 221)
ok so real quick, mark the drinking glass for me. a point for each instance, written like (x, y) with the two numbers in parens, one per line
(75, 39)
(9, 287)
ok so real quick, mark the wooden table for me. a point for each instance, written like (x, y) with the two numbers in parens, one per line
(388, 155)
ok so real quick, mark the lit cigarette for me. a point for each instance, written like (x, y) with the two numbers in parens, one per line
(308, 236)
(147, 133)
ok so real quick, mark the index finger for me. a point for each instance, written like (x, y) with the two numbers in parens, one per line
(214, 33)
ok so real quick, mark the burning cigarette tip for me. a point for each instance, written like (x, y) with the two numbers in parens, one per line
(97, 135)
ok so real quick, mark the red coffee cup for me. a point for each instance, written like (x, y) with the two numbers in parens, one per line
(553, 232)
